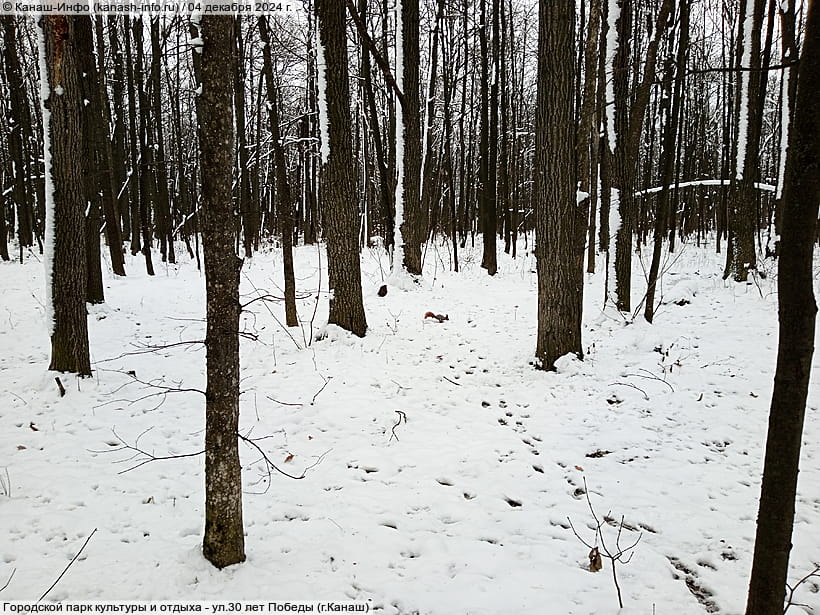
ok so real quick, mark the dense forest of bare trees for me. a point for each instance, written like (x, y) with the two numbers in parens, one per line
(581, 130)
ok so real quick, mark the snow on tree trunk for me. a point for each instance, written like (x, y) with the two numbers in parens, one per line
(398, 240)
(613, 14)
(743, 119)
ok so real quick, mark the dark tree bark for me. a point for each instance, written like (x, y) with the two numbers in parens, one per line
(588, 124)
(629, 126)
(15, 139)
(224, 541)
(146, 155)
(108, 178)
(69, 334)
(92, 171)
(669, 148)
(386, 183)
(118, 135)
(486, 157)
(742, 255)
(797, 314)
(134, 169)
(411, 228)
(558, 250)
(246, 209)
(162, 201)
(338, 177)
(283, 194)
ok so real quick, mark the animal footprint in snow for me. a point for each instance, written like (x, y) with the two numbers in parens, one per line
(444, 481)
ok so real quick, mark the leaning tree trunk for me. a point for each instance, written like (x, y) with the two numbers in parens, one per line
(559, 244)
(797, 314)
(338, 176)
(283, 194)
(224, 541)
(65, 224)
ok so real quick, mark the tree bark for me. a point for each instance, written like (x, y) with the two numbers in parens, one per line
(62, 118)
(224, 541)
(411, 229)
(558, 251)
(338, 177)
(797, 315)
(283, 194)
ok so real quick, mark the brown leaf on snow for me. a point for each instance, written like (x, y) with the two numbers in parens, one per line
(579, 468)
(20, 447)
(33, 427)
(289, 458)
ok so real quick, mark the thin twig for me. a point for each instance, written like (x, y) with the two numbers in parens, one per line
(74, 559)
(402, 417)
(10, 578)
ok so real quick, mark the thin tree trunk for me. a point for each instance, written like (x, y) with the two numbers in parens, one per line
(797, 315)
(283, 194)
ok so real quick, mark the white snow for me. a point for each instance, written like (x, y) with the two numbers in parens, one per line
(614, 225)
(397, 261)
(48, 240)
(703, 182)
(666, 423)
(613, 13)
(785, 120)
(321, 70)
(743, 85)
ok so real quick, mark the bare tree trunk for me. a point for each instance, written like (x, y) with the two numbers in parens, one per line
(66, 221)
(797, 315)
(224, 541)
(411, 229)
(283, 194)
(338, 177)
(163, 201)
(558, 250)
(669, 147)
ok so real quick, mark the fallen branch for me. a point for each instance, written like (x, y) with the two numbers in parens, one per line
(402, 417)
(74, 559)
(11, 576)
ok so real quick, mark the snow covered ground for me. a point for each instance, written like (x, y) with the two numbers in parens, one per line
(463, 508)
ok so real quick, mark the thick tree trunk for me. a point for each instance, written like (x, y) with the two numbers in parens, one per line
(66, 203)
(558, 250)
(742, 254)
(338, 177)
(224, 541)
(411, 229)
(797, 314)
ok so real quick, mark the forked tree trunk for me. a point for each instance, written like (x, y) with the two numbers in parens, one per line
(797, 314)
(224, 541)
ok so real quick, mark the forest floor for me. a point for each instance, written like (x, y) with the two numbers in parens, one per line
(465, 506)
